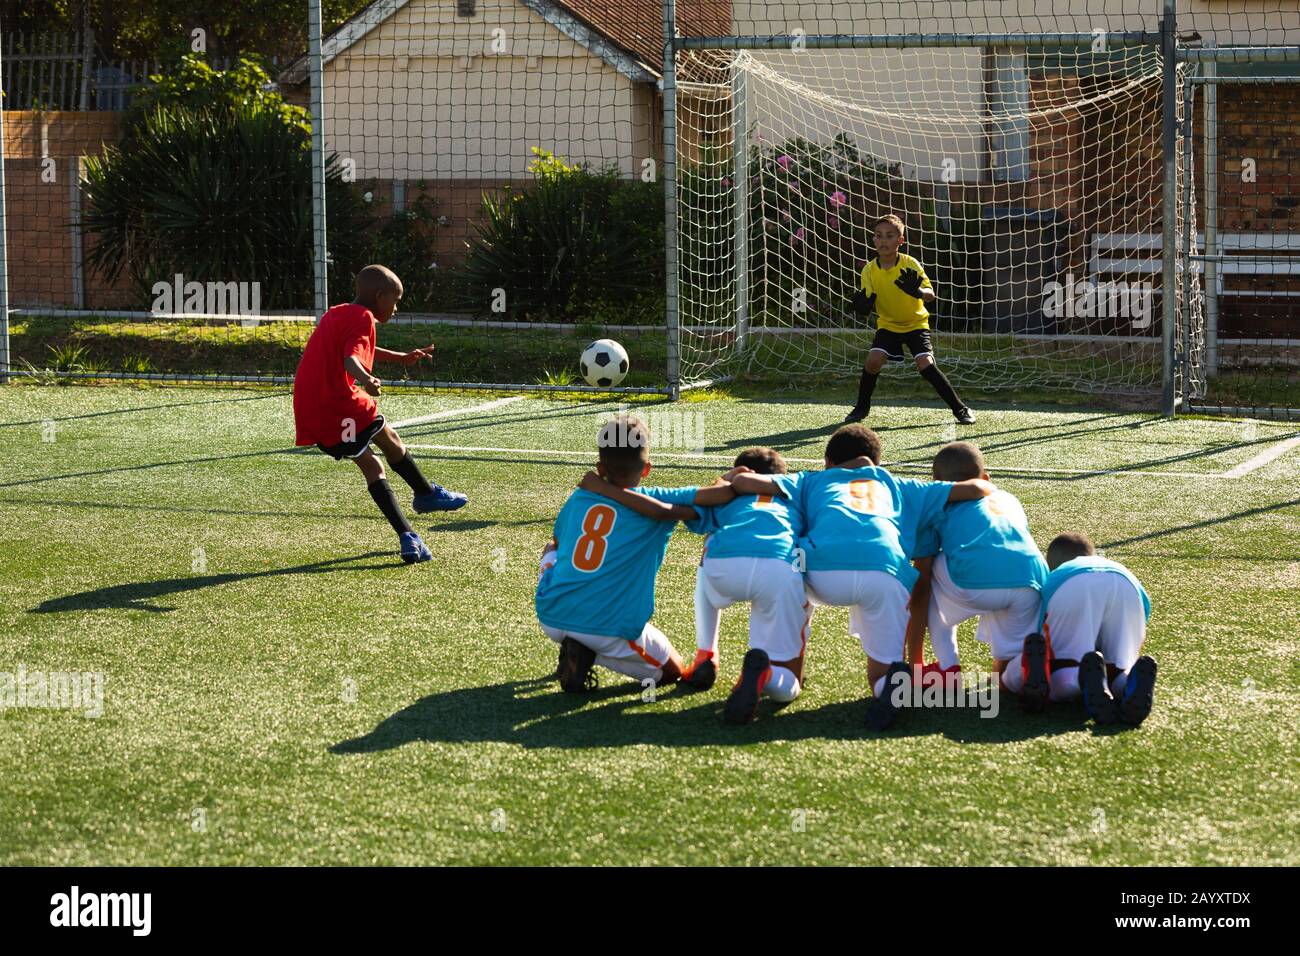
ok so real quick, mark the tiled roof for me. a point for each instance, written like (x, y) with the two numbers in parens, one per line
(637, 25)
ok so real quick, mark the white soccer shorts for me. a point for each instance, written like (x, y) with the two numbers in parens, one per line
(1100, 611)
(877, 603)
(643, 658)
(1007, 615)
(779, 611)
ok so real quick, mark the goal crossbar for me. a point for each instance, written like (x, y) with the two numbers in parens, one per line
(867, 41)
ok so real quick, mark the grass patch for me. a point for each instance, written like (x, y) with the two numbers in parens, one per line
(268, 660)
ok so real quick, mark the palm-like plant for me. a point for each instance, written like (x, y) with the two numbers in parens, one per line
(214, 195)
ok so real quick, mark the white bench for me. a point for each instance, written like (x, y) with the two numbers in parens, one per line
(1116, 253)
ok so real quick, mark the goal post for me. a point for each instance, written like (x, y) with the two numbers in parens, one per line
(1035, 173)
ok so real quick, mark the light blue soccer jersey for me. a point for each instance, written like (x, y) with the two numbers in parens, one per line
(988, 544)
(757, 526)
(1088, 565)
(865, 519)
(603, 580)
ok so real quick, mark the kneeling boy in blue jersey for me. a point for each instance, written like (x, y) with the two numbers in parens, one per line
(596, 592)
(750, 556)
(1093, 623)
(862, 525)
(983, 563)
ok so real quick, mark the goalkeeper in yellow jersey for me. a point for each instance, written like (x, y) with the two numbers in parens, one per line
(898, 288)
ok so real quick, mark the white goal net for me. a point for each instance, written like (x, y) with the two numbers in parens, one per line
(1029, 179)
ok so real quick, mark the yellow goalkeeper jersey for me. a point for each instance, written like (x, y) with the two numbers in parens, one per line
(895, 309)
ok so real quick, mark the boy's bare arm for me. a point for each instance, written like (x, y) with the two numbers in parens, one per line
(719, 493)
(971, 490)
(403, 358)
(370, 384)
(752, 484)
(918, 606)
(641, 504)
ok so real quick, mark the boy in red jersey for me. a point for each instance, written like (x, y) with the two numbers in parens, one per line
(334, 408)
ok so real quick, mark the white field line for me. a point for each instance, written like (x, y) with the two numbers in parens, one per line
(1263, 458)
(728, 460)
(452, 413)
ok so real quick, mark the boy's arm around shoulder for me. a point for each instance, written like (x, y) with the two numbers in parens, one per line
(643, 505)
(749, 483)
(719, 493)
(972, 489)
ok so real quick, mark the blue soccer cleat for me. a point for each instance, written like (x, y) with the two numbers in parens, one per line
(1097, 701)
(413, 549)
(439, 499)
(1139, 693)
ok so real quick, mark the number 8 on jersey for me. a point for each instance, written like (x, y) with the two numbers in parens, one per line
(589, 550)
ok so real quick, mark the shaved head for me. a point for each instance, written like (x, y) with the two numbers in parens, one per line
(1068, 546)
(375, 279)
(958, 461)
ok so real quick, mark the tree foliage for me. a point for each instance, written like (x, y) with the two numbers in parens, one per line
(162, 29)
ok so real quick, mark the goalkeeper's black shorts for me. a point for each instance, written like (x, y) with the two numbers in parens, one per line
(891, 343)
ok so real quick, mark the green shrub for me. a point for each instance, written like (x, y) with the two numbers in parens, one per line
(404, 243)
(569, 243)
(217, 195)
(194, 85)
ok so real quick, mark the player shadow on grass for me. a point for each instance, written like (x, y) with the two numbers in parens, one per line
(463, 524)
(138, 595)
(138, 409)
(495, 418)
(534, 714)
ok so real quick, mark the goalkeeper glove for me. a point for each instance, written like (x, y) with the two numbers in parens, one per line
(909, 280)
(862, 304)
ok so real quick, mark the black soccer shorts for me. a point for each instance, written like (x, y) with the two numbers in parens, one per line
(354, 449)
(891, 343)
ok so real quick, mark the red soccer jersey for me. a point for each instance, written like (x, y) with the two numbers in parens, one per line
(326, 399)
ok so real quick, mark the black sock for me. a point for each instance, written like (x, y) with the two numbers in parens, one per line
(866, 386)
(382, 492)
(941, 385)
(410, 473)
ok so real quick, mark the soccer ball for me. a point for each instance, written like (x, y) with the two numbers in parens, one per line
(604, 363)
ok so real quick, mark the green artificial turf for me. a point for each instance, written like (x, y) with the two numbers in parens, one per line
(279, 688)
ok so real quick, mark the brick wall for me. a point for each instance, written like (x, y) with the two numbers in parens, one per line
(41, 150)
(1259, 124)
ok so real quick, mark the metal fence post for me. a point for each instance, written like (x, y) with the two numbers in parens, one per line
(672, 316)
(316, 68)
(1210, 70)
(4, 261)
(740, 190)
(1169, 145)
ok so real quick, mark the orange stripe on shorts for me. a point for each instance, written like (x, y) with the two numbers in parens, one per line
(643, 655)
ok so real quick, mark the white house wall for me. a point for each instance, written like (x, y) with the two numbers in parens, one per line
(424, 95)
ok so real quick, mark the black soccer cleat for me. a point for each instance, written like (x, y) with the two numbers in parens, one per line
(1139, 694)
(964, 415)
(1097, 701)
(881, 712)
(857, 414)
(701, 675)
(755, 672)
(576, 660)
(1036, 674)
